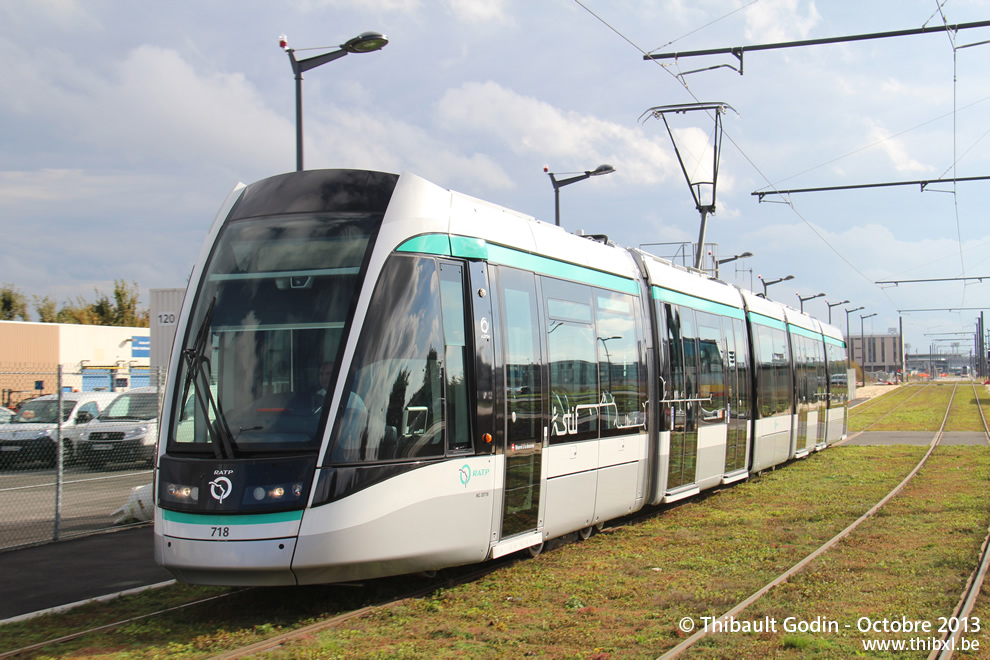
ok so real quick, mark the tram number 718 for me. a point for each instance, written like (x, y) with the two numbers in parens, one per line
(219, 532)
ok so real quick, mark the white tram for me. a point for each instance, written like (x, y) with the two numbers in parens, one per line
(374, 376)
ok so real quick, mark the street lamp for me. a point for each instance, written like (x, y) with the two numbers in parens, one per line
(366, 42)
(725, 261)
(557, 185)
(830, 306)
(849, 352)
(768, 283)
(817, 295)
(862, 341)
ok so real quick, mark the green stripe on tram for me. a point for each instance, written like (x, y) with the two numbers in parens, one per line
(760, 319)
(700, 304)
(220, 520)
(804, 332)
(438, 244)
(476, 248)
(835, 342)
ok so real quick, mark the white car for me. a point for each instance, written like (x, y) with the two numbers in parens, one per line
(29, 436)
(126, 430)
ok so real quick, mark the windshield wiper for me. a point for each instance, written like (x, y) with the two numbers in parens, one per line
(197, 364)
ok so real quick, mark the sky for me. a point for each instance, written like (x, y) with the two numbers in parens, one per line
(124, 125)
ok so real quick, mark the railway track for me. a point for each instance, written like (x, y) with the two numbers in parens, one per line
(947, 640)
(879, 401)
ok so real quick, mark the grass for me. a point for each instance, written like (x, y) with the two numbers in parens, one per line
(621, 593)
(923, 409)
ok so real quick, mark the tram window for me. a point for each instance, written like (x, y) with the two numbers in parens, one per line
(455, 352)
(571, 345)
(573, 381)
(711, 374)
(676, 352)
(838, 386)
(741, 400)
(774, 365)
(274, 302)
(621, 374)
(393, 408)
(689, 340)
(522, 357)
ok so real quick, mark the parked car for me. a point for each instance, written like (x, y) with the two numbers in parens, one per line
(30, 435)
(126, 430)
(6, 414)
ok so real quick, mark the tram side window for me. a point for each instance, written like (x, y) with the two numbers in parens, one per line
(455, 357)
(571, 344)
(394, 406)
(712, 368)
(774, 367)
(838, 386)
(523, 388)
(621, 372)
(740, 402)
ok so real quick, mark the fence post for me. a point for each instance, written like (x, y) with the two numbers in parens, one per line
(58, 460)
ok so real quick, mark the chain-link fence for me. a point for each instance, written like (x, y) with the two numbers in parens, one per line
(76, 450)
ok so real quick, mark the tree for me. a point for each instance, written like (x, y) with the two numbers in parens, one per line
(122, 309)
(47, 309)
(13, 304)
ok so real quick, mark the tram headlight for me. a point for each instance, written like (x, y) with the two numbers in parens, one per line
(274, 494)
(181, 493)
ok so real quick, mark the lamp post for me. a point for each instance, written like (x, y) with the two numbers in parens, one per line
(862, 341)
(830, 306)
(725, 261)
(557, 185)
(849, 352)
(366, 42)
(768, 283)
(817, 295)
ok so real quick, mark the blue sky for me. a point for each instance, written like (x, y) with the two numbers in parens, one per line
(126, 124)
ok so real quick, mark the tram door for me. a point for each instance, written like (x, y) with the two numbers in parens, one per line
(682, 338)
(524, 398)
(484, 354)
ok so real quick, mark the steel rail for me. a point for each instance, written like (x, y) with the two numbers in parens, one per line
(107, 626)
(723, 621)
(975, 582)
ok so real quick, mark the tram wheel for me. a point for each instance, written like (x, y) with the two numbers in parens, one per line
(585, 534)
(535, 550)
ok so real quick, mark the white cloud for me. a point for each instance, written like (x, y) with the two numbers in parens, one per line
(479, 11)
(770, 21)
(468, 11)
(566, 140)
(362, 140)
(894, 148)
(68, 15)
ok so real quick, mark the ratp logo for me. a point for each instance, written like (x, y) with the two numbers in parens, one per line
(466, 473)
(220, 488)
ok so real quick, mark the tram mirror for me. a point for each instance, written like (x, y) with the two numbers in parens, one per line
(295, 282)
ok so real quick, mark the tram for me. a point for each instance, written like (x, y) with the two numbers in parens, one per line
(373, 375)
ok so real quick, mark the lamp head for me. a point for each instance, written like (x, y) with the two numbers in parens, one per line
(365, 42)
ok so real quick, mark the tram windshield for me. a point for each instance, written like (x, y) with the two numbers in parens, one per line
(262, 348)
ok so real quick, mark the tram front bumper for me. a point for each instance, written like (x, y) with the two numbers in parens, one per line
(250, 550)
(229, 563)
